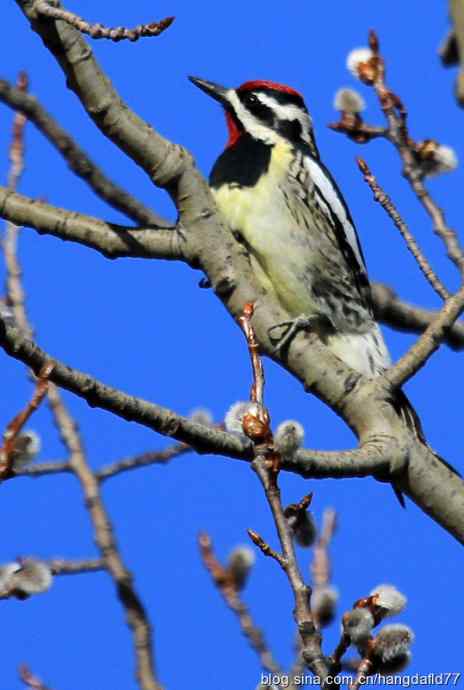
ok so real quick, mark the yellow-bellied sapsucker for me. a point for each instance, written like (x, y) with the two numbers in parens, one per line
(282, 203)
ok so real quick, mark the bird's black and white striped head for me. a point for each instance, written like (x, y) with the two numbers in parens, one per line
(265, 110)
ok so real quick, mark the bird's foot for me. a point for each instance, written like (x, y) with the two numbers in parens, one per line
(290, 329)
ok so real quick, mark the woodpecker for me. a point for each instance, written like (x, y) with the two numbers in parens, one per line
(282, 203)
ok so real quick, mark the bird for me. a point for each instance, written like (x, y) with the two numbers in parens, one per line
(282, 203)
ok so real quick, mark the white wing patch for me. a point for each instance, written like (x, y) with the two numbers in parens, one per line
(332, 200)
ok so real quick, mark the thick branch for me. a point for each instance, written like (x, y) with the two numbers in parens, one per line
(111, 240)
(78, 160)
(97, 394)
(159, 158)
(381, 455)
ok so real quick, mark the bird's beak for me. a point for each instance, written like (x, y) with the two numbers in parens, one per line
(219, 93)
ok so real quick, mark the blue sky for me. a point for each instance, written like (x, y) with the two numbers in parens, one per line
(147, 328)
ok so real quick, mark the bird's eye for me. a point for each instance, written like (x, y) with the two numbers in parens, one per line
(251, 99)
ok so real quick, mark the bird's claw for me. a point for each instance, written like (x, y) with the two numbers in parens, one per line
(301, 323)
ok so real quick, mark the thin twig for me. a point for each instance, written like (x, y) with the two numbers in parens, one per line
(32, 681)
(365, 667)
(11, 588)
(118, 33)
(225, 585)
(266, 468)
(61, 566)
(357, 130)
(310, 636)
(17, 423)
(340, 650)
(387, 204)
(43, 469)
(320, 567)
(419, 353)
(257, 389)
(398, 134)
(265, 548)
(372, 73)
(155, 457)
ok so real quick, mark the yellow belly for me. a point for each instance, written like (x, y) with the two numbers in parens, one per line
(280, 251)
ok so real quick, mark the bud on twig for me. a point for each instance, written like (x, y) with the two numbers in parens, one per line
(33, 577)
(363, 64)
(357, 625)
(288, 438)
(201, 415)
(349, 101)
(233, 420)
(323, 604)
(391, 647)
(240, 563)
(388, 598)
(26, 446)
(301, 522)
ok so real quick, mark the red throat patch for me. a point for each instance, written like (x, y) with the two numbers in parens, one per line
(234, 131)
(271, 85)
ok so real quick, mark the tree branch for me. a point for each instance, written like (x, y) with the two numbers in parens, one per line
(42, 469)
(78, 160)
(162, 161)
(112, 560)
(155, 457)
(225, 585)
(137, 618)
(418, 355)
(111, 240)
(160, 419)
(402, 316)
(366, 406)
(310, 636)
(31, 680)
(119, 33)
(381, 455)
(412, 154)
(389, 207)
(61, 566)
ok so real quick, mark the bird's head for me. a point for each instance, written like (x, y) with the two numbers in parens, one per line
(264, 110)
